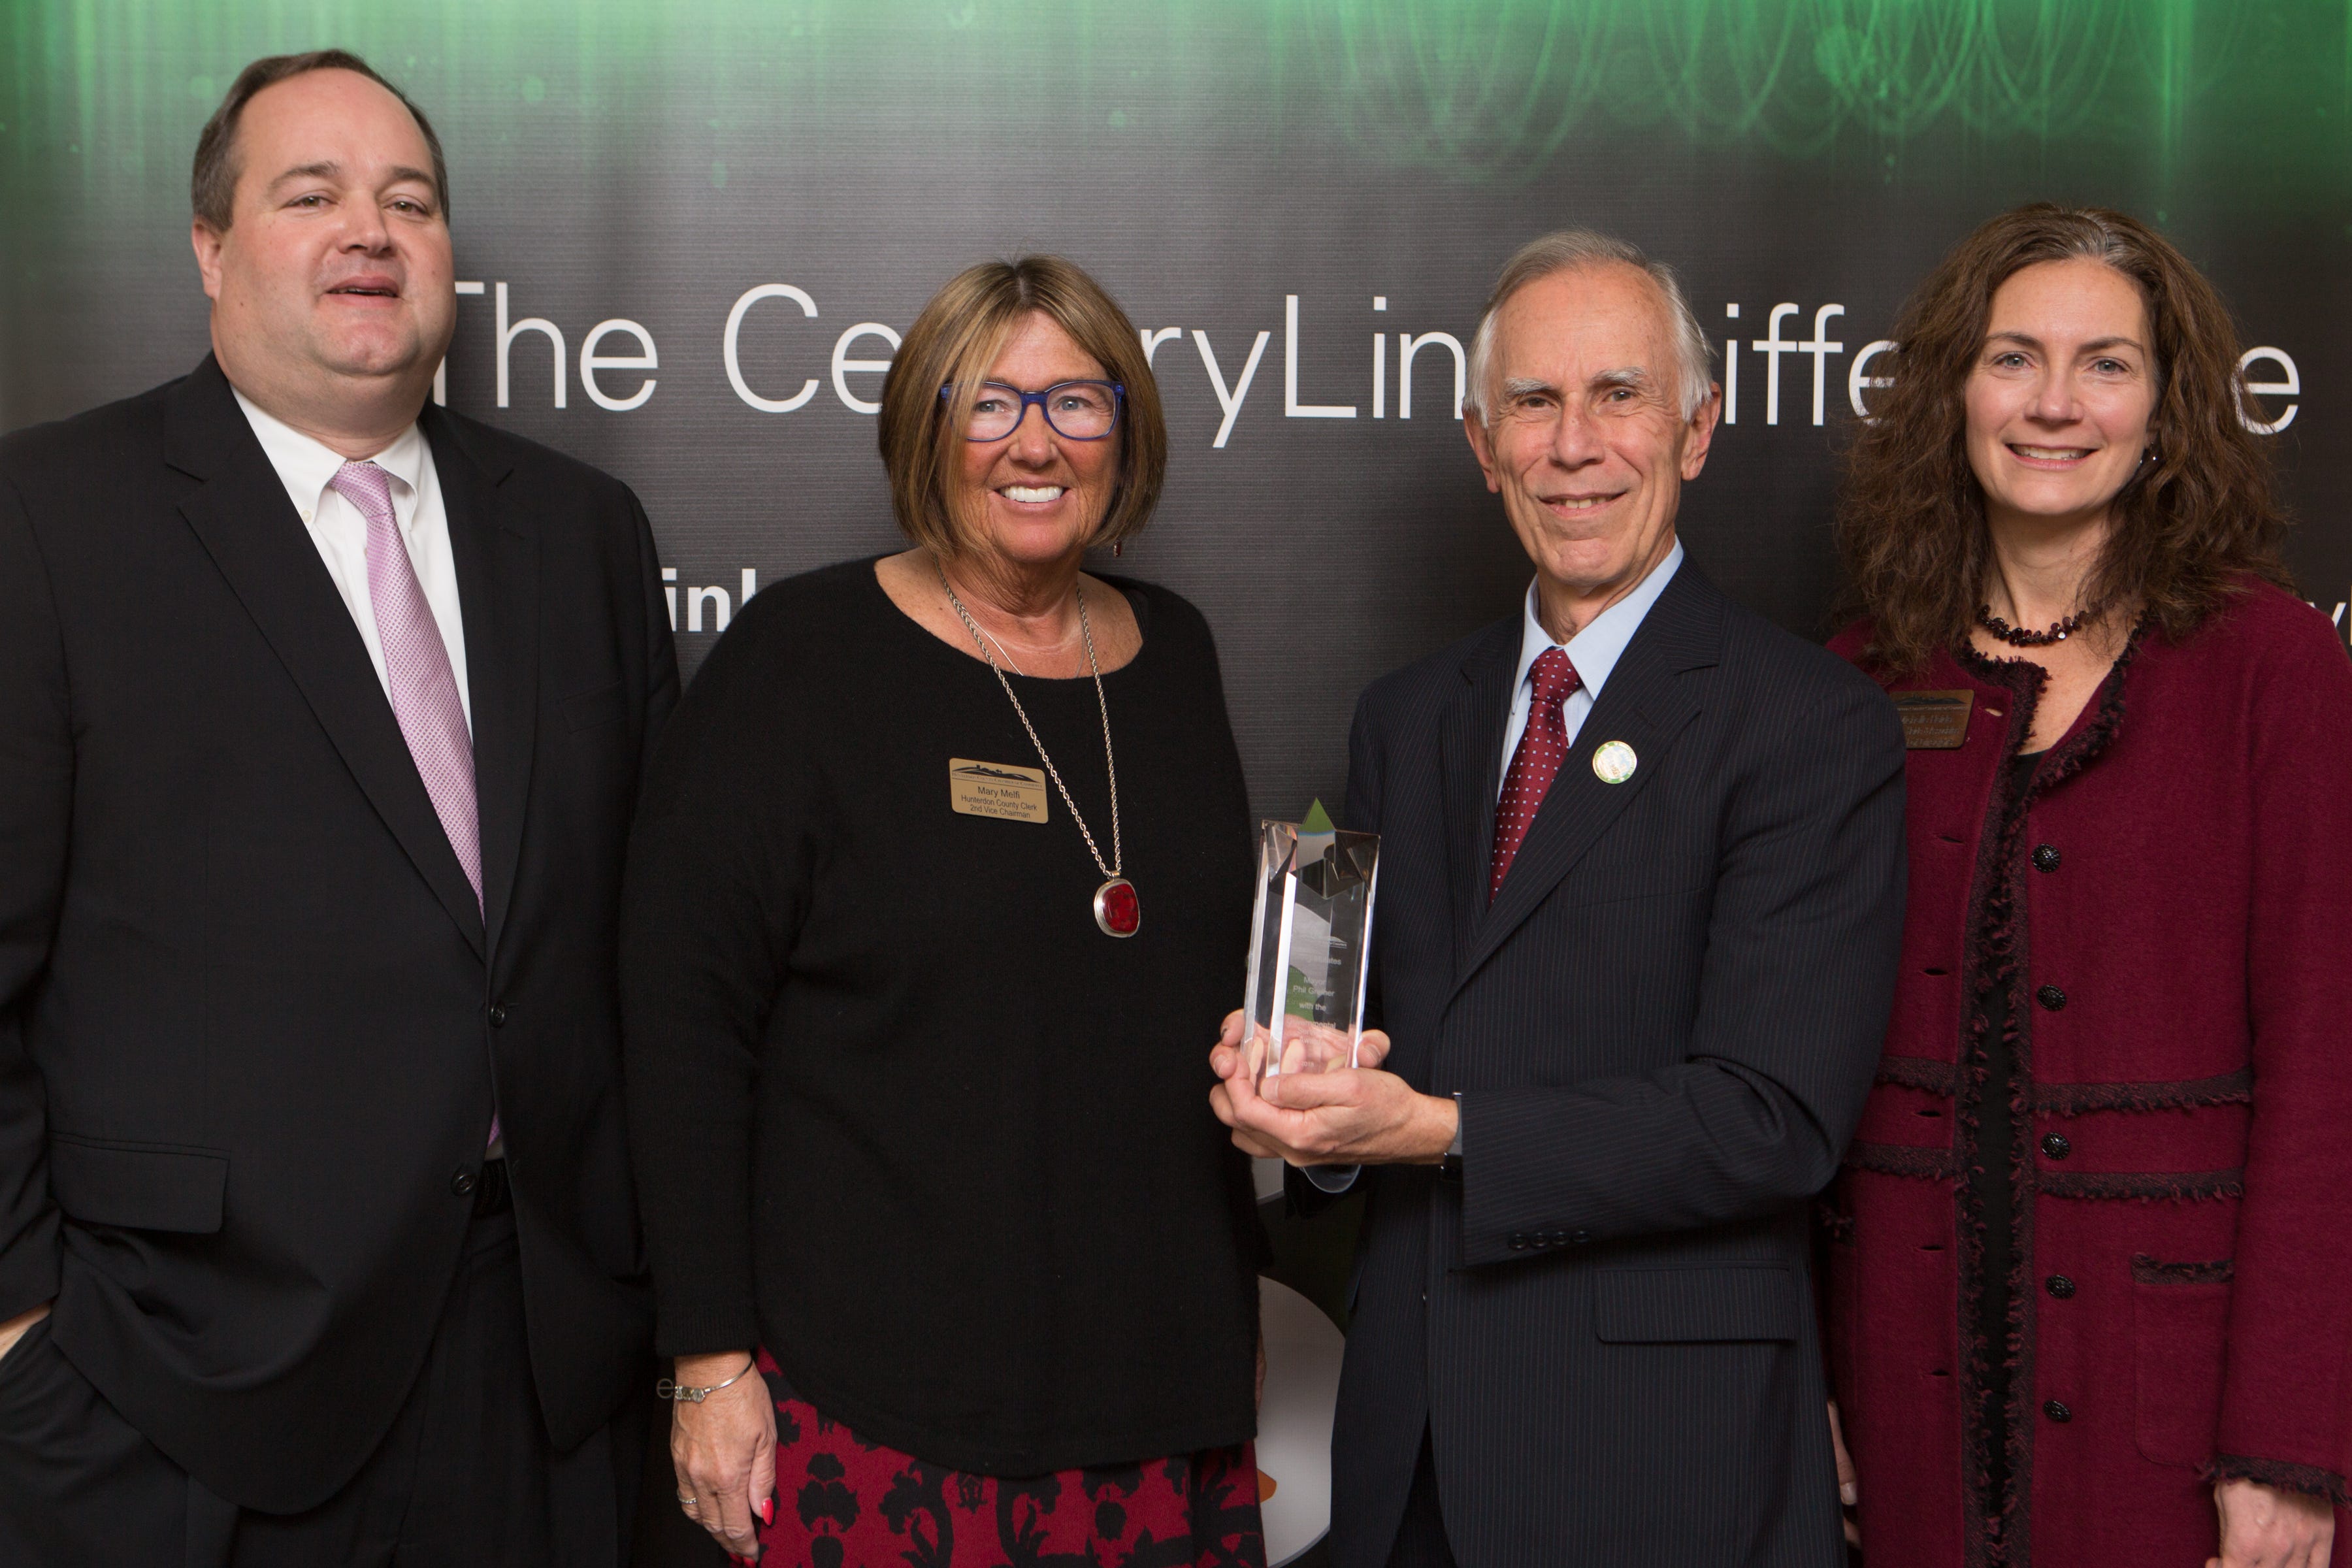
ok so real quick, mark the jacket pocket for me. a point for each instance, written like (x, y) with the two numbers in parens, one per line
(139, 1186)
(2180, 1314)
(1679, 1306)
(590, 709)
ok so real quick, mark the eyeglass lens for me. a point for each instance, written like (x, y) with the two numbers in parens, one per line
(1082, 410)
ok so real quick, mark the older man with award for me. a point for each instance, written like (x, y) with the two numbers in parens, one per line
(1639, 864)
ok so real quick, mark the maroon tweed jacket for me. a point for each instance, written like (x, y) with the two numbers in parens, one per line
(2181, 987)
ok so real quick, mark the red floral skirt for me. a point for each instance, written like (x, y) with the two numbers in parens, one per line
(844, 1502)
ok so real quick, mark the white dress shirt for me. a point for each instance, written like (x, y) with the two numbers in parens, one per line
(1594, 651)
(304, 466)
(340, 534)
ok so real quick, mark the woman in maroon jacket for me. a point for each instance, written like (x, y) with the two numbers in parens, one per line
(2089, 1283)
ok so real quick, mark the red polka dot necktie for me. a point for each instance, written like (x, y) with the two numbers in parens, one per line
(1543, 746)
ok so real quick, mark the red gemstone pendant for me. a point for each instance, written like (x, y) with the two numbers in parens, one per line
(1117, 908)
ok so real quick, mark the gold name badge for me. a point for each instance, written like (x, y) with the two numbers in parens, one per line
(996, 789)
(1934, 721)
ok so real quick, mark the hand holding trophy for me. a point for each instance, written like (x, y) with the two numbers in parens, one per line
(1309, 942)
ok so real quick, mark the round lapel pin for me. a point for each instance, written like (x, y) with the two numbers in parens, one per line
(1614, 762)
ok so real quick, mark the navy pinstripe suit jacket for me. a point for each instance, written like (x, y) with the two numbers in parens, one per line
(1663, 1030)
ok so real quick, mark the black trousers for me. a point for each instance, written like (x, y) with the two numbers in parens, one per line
(465, 1476)
(1421, 1539)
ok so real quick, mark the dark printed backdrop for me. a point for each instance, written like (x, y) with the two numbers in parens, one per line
(690, 232)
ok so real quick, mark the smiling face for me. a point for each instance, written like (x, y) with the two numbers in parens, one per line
(2061, 396)
(1036, 496)
(1588, 445)
(332, 288)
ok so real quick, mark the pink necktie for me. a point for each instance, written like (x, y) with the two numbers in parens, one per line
(417, 668)
(1543, 744)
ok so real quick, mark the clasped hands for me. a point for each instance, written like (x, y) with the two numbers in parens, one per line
(1320, 1111)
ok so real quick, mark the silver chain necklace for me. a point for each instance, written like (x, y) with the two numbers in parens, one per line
(1117, 910)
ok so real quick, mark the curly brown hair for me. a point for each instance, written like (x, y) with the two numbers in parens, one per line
(2185, 527)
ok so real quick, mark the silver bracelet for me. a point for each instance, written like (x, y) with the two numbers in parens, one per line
(676, 1392)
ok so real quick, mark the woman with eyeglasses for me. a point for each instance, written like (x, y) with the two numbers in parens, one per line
(942, 876)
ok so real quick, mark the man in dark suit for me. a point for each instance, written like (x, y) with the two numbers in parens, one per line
(1641, 885)
(322, 717)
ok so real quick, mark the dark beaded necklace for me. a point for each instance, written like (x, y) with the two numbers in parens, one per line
(2017, 638)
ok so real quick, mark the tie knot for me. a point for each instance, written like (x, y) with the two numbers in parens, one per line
(1554, 676)
(366, 486)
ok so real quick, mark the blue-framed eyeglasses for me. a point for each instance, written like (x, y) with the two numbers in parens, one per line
(1078, 410)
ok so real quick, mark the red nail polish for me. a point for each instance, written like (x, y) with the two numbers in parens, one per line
(768, 1511)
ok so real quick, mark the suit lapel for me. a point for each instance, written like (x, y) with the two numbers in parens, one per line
(245, 523)
(1645, 705)
(497, 591)
(1470, 743)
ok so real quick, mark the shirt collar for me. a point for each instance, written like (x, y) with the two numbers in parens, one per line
(305, 466)
(1594, 651)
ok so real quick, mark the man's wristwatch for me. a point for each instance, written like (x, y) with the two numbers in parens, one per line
(1449, 1169)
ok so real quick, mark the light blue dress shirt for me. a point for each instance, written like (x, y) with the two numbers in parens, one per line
(1594, 651)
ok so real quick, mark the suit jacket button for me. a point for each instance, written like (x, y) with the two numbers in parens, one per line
(1518, 1241)
(2057, 1411)
(497, 1017)
(2055, 1144)
(2049, 996)
(2046, 857)
(2058, 1285)
(462, 1184)
(1581, 1237)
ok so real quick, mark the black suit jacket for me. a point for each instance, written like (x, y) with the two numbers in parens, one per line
(1663, 1030)
(250, 1014)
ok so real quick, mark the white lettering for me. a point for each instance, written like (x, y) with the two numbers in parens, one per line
(1152, 340)
(591, 362)
(732, 354)
(669, 592)
(1858, 377)
(1731, 371)
(1291, 406)
(1821, 348)
(1772, 346)
(2290, 385)
(1409, 345)
(1380, 375)
(508, 334)
(843, 365)
(697, 598)
(1231, 402)
(441, 371)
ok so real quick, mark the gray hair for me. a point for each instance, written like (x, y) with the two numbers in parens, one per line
(1567, 251)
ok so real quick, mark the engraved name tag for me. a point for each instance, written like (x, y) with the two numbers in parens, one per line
(1934, 721)
(996, 789)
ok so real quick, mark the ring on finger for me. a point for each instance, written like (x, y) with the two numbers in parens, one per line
(685, 1502)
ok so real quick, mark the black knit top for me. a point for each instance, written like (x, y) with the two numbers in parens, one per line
(901, 1112)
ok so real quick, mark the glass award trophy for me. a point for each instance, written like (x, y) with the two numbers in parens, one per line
(1308, 945)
